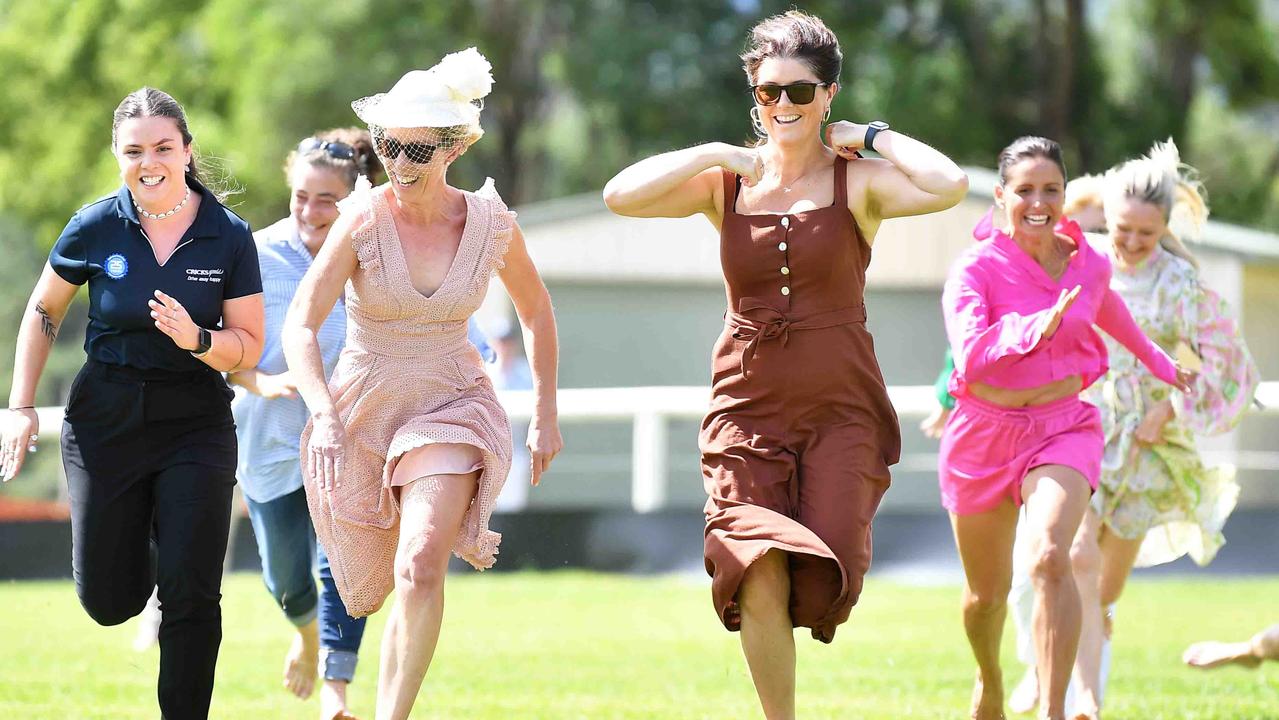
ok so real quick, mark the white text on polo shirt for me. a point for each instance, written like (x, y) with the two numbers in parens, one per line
(213, 275)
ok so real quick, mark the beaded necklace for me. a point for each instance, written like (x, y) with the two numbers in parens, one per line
(163, 215)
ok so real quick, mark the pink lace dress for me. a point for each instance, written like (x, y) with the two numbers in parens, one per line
(409, 377)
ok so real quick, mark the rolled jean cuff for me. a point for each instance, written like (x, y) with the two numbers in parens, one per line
(306, 618)
(338, 664)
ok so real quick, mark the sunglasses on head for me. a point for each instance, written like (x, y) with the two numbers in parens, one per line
(335, 150)
(800, 93)
(418, 152)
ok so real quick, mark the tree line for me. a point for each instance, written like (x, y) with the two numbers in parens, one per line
(585, 86)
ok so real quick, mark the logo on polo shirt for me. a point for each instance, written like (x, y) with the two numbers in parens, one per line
(210, 275)
(116, 266)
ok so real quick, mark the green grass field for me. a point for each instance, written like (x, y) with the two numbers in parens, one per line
(573, 645)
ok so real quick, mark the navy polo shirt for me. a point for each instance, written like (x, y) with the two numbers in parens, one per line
(104, 245)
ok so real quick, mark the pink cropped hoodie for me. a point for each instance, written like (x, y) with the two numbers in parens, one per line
(997, 304)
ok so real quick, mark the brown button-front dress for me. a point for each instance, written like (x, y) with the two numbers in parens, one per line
(797, 444)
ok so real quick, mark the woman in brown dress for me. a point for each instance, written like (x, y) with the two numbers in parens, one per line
(797, 444)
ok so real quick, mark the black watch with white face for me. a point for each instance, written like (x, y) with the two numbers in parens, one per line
(873, 128)
(204, 343)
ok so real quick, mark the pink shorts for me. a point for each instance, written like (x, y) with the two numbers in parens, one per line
(987, 449)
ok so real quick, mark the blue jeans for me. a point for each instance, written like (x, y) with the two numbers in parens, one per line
(289, 551)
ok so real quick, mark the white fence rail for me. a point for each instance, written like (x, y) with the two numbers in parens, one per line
(650, 409)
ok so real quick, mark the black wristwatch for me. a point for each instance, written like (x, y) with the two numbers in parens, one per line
(204, 343)
(873, 128)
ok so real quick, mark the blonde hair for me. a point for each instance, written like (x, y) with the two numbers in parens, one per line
(1161, 179)
(1084, 192)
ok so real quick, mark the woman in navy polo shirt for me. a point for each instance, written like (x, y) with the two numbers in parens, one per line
(148, 444)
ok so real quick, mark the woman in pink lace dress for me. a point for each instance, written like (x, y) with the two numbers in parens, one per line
(407, 447)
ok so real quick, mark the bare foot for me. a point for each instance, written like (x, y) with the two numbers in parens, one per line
(1084, 708)
(333, 701)
(300, 664)
(1025, 696)
(988, 700)
(1212, 654)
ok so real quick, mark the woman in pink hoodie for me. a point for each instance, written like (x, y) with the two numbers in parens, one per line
(1020, 311)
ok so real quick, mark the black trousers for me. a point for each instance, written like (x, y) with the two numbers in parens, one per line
(150, 462)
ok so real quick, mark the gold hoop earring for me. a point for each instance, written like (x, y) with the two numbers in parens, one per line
(757, 123)
(826, 115)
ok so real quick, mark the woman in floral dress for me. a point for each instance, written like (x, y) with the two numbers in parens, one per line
(1157, 500)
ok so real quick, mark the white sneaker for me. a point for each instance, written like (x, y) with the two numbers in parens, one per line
(148, 625)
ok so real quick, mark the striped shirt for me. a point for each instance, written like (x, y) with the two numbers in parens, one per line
(268, 430)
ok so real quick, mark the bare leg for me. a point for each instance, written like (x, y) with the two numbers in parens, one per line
(1117, 558)
(432, 509)
(768, 636)
(985, 542)
(1056, 498)
(333, 700)
(303, 658)
(1248, 653)
(1085, 562)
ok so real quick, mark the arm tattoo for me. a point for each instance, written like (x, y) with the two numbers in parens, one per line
(47, 325)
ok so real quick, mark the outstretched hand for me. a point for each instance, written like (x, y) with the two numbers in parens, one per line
(325, 451)
(277, 386)
(1064, 301)
(935, 423)
(1186, 379)
(19, 430)
(1150, 431)
(544, 443)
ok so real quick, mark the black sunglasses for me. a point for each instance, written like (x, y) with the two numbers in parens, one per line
(800, 93)
(418, 152)
(335, 150)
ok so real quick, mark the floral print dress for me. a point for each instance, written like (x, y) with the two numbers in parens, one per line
(1165, 491)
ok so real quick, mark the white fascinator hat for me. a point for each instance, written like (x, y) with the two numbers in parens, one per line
(450, 94)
